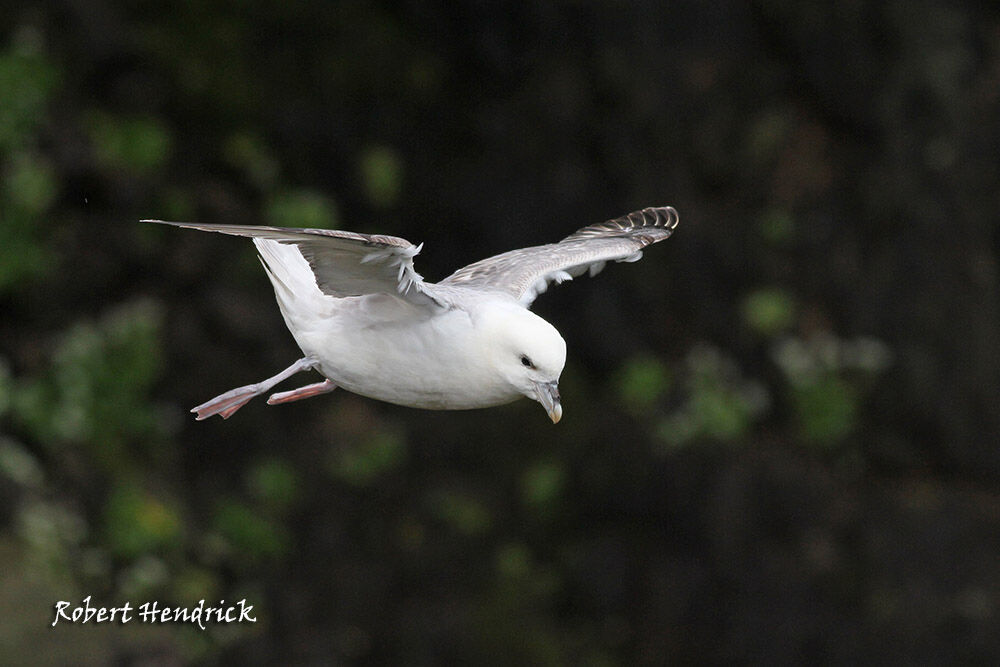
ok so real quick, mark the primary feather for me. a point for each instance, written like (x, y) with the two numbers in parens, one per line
(527, 272)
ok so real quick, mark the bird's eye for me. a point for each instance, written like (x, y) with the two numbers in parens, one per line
(526, 362)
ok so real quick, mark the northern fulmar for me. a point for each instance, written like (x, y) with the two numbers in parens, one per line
(369, 323)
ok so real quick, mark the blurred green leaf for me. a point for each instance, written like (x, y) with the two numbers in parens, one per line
(776, 226)
(805, 361)
(826, 410)
(867, 355)
(22, 254)
(136, 522)
(382, 175)
(678, 429)
(720, 412)
(542, 485)
(194, 583)
(827, 378)
(30, 184)
(463, 512)
(19, 465)
(176, 204)
(51, 531)
(361, 465)
(516, 618)
(27, 82)
(720, 404)
(144, 577)
(248, 532)
(301, 208)
(642, 382)
(513, 561)
(274, 482)
(6, 387)
(769, 311)
(129, 143)
(27, 192)
(248, 153)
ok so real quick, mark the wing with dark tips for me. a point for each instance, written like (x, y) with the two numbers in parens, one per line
(528, 272)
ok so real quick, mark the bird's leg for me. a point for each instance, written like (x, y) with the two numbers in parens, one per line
(225, 405)
(308, 391)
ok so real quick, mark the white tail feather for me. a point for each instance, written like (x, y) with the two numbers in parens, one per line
(295, 288)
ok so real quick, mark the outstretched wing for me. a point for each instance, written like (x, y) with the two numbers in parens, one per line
(527, 272)
(344, 263)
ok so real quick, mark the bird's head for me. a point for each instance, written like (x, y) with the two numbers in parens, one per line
(529, 354)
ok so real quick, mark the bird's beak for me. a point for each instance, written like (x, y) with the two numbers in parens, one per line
(547, 394)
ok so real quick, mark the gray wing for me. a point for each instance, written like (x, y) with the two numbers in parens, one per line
(527, 272)
(344, 263)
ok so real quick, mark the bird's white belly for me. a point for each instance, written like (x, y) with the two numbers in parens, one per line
(432, 363)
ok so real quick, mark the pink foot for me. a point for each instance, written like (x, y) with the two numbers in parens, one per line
(225, 405)
(302, 392)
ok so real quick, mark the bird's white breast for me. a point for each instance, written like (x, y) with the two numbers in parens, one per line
(380, 347)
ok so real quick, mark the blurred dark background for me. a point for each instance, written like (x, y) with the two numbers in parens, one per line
(781, 428)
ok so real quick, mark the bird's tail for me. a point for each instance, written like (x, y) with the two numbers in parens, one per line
(299, 297)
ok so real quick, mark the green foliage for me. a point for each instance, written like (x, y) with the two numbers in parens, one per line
(195, 583)
(87, 405)
(19, 465)
(30, 186)
(301, 208)
(51, 531)
(381, 170)
(827, 409)
(23, 254)
(513, 561)
(275, 483)
(145, 576)
(28, 80)
(176, 204)
(542, 486)
(720, 404)
(248, 153)
(461, 511)
(776, 226)
(827, 379)
(248, 533)
(769, 311)
(139, 144)
(6, 387)
(95, 391)
(525, 581)
(641, 382)
(136, 522)
(380, 453)
(513, 620)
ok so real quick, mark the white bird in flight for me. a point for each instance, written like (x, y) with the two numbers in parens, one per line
(369, 323)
